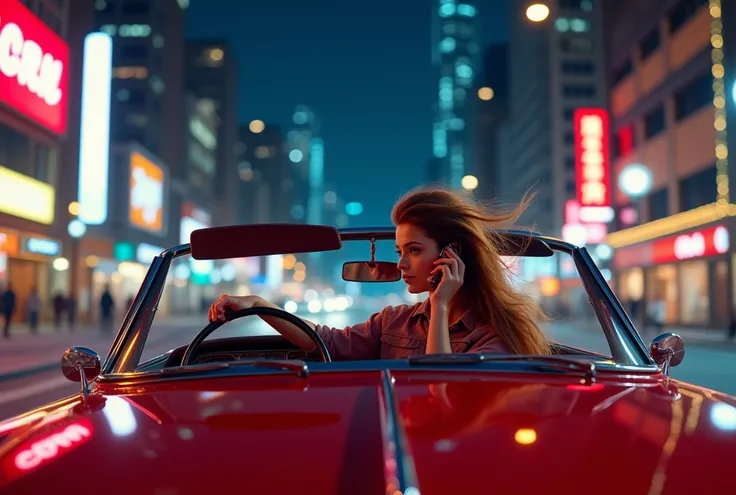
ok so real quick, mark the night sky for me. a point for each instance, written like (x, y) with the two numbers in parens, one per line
(364, 67)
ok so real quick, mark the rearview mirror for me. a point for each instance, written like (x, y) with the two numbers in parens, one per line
(370, 271)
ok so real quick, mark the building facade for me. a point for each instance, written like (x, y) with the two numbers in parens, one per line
(670, 99)
(35, 121)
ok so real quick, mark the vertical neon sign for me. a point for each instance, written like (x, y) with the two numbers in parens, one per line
(592, 163)
(94, 132)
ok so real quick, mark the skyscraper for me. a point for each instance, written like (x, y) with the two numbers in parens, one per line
(490, 110)
(212, 75)
(454, 57)
(555, 67)
(148, 61)
(306, 154)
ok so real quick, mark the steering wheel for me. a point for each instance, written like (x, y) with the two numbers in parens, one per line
(260, 311)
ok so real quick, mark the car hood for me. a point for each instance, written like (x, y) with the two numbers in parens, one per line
(335, 433)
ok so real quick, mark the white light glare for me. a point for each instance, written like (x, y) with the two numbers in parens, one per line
(94, 131)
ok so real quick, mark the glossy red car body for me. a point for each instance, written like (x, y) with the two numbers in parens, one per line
(576, 422)
(325, 434)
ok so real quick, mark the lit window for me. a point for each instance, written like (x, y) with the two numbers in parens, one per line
(110, 29)
(579, 25)
(130, 72)
(464, 71)
(466, 10)
(134, 30)
(216, 54)
(457, 124)
(157, 85)
(245, 171)
(447, 45)
(562, 24)
(446, 10)
(262, 152)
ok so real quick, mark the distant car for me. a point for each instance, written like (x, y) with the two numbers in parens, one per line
(257, 415)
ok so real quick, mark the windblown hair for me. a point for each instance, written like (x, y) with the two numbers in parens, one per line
(447, 216)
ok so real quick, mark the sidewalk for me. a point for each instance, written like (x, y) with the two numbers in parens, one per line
(26, 353)
(705, 337)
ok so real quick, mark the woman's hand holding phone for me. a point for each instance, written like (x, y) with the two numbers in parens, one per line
(452, 269)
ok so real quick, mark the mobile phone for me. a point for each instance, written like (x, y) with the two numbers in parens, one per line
(434, 279)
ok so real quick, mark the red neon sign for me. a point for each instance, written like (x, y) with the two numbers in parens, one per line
(592, 165)
(712, 241)
(33, 67)
(46, 446)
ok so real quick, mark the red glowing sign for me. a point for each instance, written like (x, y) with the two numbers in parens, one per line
(33, 67)
(711, 241)
(592, 165)
(45, 446)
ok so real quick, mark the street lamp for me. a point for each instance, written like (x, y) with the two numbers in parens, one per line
(256, 126)
(486, 93)
(76, 230)
(635, 181)
(469, 182)
(537, 12)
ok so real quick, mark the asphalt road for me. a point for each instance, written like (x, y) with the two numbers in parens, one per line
(707, 366)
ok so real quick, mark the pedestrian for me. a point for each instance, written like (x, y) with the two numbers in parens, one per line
(107, 310)
(33, 307)
(7, 308)
(59, 306)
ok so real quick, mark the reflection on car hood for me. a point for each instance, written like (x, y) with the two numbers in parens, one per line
(466, 432)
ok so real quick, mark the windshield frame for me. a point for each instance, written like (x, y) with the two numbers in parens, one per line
(625, 344)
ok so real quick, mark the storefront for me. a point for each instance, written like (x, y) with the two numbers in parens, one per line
(29, 261)
(688, 271)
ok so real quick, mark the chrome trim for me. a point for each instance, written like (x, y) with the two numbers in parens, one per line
(127, 347)
(626, 345)
(81, 364)
(668, 351)
(395, 444)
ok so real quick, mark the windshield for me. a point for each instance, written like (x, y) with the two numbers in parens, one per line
(311, 286)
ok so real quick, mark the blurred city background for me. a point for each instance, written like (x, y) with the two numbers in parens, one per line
(127, 124)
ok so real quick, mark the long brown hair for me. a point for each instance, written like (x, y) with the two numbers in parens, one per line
(448, 216)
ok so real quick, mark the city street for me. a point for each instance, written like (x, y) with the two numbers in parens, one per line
(37, 378)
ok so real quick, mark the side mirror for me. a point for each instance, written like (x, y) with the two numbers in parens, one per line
(80, 364)
(370, 271)
(668, 351)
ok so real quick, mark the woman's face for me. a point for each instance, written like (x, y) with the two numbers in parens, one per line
(417, 252)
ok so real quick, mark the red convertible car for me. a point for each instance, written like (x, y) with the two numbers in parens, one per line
(256, 415)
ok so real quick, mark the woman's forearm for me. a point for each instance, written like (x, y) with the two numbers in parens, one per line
(438, 338)
(290, 331)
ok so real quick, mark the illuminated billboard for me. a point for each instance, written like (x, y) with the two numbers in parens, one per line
(26, 197)
(34, 65)
(146, 206)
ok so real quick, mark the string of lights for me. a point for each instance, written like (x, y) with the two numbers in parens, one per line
(719, 102)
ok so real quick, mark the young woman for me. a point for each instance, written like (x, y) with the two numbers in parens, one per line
(473, 308)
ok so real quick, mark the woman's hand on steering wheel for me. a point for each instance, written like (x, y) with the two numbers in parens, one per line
(228, 303)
